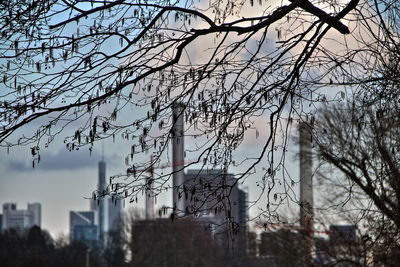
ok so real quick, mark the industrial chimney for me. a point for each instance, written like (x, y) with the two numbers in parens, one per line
(149, 200)
(306, 189)
(178, 156)
(103, 203)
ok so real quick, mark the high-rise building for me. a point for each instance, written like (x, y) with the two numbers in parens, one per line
(243, 205)
(109, 209)
(243, 209)
(83, 226)
(20, 219)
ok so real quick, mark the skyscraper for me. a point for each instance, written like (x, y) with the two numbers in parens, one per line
(20, 219)
(108, 209)
(243, 209)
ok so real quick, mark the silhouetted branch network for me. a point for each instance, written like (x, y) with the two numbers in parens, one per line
(103, 69)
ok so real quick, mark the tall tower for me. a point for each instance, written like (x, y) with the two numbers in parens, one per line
(306, 189)
(178, 176)
(108, 209)
(103, 203)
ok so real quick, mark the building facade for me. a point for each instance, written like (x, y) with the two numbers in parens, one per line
(214, 199)
(87, 234)
(114, 213)
(19, 220)
(83, 226)
(211, 192)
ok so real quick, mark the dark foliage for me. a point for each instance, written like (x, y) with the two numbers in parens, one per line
(35, 248)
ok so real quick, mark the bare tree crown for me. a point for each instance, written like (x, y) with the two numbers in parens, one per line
(78, 67)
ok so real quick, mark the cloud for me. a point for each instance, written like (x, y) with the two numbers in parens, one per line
(62, 160)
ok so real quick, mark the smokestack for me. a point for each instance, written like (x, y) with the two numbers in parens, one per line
(306, 189)
(177, 155)
(102, 208)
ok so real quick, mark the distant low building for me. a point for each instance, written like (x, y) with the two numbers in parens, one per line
(20, 219)
(344, 245)
(341, 249)
(283, 248)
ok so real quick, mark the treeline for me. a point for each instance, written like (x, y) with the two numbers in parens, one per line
(36, 248)
(146, 243)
